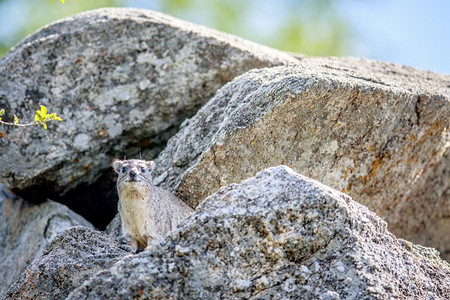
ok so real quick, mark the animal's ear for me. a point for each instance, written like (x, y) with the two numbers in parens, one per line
(150, 165)
(117, 165)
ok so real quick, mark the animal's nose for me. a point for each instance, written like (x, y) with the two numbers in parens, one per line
(133, 174)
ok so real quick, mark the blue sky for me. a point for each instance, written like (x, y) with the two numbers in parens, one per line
(409, 32)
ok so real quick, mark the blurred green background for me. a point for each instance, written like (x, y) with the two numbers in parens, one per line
(409, 32)
(309, 27)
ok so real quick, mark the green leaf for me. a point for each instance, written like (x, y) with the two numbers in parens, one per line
(43, 110)
(62, 1)
(16, 120)
(2, 112)
(45, 126)
(53, 116)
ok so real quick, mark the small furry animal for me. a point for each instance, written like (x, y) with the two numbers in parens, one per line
(146, 211)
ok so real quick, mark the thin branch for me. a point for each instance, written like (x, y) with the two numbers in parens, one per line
(19, 125)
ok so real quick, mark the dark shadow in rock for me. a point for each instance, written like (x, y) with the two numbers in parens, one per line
(97, 202)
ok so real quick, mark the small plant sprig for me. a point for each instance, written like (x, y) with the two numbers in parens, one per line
(40, 118)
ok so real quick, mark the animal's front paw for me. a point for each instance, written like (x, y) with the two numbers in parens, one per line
(134, 246)
(150, 242)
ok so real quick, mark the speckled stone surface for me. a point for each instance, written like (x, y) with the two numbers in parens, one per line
(376, 131)
(70, 259)
(121, 79)
(26, 230)
(277, 235)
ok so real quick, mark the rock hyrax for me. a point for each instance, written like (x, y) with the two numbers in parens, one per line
(146, 211)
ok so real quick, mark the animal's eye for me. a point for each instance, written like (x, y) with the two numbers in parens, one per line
(142, 170)
(124, 169)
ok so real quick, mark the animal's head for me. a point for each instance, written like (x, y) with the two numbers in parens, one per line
(133, 171)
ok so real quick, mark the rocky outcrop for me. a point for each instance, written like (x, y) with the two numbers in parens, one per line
(70, 259)
(377, 131)
(25, 231)
(277, 235)
(114, 228)
(122, 80)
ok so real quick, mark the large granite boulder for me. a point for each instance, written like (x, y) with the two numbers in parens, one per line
(70, 259)
(277, 235)
(377, 131)
(26, 230)
(122, 80)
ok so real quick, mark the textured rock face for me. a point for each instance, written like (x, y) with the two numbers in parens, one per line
(25, 230)
(122, 80)
(114, 228)
(279, 235)
(377, 131)
(71, 258)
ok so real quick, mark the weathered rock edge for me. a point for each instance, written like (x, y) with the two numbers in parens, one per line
(278, 234)
(26, 230)
(69, 260)
(377, 131)
(122, 79)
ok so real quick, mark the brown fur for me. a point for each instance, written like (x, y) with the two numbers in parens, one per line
(146, 211)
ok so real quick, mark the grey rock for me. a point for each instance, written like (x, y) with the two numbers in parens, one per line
(25, 230)
(277, 235)
(114, 228)
(374, 130)
(70, 259)
(122, 80)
